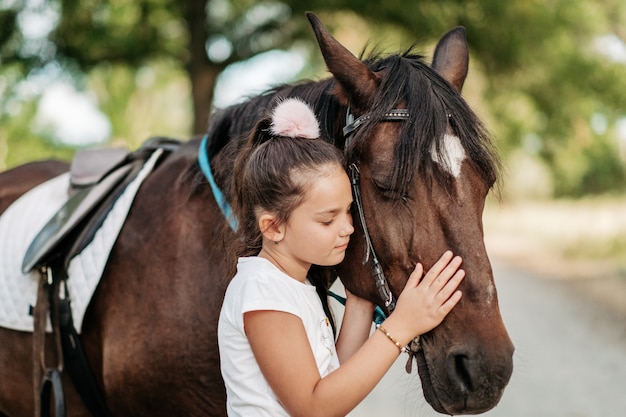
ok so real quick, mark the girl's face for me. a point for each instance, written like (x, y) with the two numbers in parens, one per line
(319, 229)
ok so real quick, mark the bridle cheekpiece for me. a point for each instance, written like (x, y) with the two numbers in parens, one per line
(382, 284)
(351, 126)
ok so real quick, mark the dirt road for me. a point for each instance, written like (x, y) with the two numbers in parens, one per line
(570, 358)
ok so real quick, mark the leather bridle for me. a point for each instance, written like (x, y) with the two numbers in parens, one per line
(355, 179)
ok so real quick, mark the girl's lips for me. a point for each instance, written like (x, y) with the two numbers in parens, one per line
(342, 247)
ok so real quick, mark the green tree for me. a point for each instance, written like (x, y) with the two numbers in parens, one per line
(542, 80)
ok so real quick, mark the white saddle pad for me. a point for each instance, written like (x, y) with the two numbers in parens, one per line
(19, 225)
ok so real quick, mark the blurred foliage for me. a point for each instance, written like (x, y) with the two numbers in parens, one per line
(537, 75)
(143, 103)
(30, 147)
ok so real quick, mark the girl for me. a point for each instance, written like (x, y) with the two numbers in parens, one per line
(277, 350)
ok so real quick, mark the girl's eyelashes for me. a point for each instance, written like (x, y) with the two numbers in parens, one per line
(329, 221)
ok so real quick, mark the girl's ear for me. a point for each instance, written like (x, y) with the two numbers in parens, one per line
(270, 228)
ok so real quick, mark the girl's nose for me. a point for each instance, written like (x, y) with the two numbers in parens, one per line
(347, 229)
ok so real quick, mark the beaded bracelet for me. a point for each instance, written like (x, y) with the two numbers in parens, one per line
(403, 349)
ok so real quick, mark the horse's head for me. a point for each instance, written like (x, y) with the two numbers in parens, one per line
(424, 177)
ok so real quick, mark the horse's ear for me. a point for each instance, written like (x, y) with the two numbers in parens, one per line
(358, 82)
(451, 58)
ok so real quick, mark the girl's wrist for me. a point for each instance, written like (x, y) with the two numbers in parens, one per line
(397, 330)
(402, 348)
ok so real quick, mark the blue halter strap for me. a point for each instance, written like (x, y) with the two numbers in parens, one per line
(379, 314)
(205, 166)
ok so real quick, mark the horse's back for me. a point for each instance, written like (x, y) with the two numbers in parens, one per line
(16, 181)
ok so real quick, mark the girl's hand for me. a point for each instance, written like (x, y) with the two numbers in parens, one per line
(425, 302)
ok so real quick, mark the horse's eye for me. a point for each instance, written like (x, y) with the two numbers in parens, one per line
(390, 193)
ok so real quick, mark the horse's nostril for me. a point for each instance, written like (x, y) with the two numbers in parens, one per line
(460, 370)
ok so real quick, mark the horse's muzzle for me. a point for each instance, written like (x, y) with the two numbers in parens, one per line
(465, 380)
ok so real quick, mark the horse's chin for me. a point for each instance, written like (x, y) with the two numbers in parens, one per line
(427, 383)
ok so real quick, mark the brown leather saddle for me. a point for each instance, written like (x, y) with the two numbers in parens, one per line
(97, 178)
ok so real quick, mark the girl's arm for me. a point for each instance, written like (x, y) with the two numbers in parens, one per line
(356, 326)
(282, 350)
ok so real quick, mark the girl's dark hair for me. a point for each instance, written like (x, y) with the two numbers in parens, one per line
(272, 173)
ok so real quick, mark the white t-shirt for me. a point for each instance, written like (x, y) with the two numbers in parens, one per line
(259, 285)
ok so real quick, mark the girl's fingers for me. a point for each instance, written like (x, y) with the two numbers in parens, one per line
(436, 269)
(415, 276)
(450, 302)
(444, 276)
(451, 285)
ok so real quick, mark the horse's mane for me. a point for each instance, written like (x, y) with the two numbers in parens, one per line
(406, 81)
(409, 82)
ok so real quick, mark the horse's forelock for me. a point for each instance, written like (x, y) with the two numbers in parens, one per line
(408, 81)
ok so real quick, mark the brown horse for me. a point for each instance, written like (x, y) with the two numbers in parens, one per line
(426, 166)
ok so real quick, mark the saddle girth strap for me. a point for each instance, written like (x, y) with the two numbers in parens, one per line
(76, 363)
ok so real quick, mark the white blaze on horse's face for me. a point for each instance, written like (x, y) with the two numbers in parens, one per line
(452, 155)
